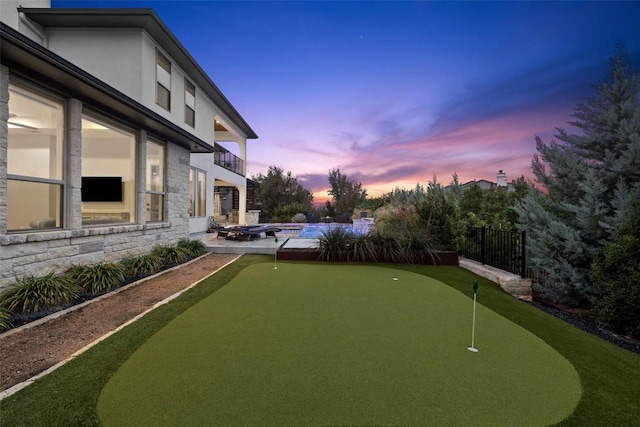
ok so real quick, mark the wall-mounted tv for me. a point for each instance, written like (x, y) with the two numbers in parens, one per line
(101, 189)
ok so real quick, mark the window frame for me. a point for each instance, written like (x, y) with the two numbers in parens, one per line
(189, 119)
(197, 205)
(163, 62)
(61, 103)
(148, 190)
(117, 126)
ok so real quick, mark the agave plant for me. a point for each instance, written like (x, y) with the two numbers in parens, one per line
(142, 265)
(97, 278)
(171, 255)
(32, 294)
(195, 248)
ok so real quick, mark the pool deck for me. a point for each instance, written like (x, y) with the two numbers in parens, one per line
(263, 245)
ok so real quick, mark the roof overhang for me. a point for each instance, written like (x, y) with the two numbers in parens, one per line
(147, 20)
(33, 62)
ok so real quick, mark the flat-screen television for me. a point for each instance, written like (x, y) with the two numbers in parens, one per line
(101, 189)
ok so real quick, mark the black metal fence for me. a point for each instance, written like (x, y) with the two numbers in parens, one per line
(498, 248)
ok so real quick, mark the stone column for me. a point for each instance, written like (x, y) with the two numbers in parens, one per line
(177, 189)
(4, 141)
(73, 205)
(141, 176)
(242, 205)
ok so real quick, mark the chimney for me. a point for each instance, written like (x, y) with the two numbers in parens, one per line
(502, 179)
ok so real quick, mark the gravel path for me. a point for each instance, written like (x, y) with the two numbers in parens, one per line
(29, 351)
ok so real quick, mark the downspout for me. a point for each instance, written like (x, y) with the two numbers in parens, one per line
(35, 28)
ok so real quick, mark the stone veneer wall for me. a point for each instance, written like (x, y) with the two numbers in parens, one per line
(39, 253)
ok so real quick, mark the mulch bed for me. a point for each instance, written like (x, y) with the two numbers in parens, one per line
(584, 320)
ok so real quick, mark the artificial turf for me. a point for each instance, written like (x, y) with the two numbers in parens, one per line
(339, 345)
(610, 376)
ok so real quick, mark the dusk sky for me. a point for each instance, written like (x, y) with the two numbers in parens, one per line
(394, 93)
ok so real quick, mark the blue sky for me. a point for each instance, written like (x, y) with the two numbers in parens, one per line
(394, 93)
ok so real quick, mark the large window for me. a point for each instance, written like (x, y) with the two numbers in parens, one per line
(197, 193)
(35, 153)
(163, 81)
(155, 181)
(190, 103)
(108, 173)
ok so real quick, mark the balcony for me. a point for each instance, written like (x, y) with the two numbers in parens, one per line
(228, 160)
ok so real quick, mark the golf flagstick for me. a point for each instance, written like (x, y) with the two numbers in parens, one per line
(275, 258)
(473, 326)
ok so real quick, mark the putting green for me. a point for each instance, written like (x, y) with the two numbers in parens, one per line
(311, 344)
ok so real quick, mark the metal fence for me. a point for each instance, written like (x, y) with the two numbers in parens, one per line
(498, 248)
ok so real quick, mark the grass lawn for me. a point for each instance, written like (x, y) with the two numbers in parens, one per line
(373, 352)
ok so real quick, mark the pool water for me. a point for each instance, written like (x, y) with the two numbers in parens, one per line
(315, 231)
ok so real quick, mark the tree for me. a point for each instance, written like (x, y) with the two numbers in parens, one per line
(492, 207)
(346, 193)
(590, 180)
(281, 194)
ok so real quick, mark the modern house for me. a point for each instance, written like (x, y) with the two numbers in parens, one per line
(110, 138)
(501, 178)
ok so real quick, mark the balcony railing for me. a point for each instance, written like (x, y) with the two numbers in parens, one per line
(228, 160)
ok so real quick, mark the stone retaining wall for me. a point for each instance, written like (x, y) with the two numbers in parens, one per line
(515, 285)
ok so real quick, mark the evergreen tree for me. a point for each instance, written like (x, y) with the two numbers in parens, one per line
(590, 180)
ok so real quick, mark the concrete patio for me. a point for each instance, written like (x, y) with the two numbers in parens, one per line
(262, 245)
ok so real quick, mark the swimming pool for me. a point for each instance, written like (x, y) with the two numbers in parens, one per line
(315, 231)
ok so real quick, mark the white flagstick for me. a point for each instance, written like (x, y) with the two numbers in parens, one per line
(473, 327)
(275, 259)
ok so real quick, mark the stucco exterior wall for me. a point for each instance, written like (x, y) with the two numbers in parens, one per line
(112, 55)
(9, 15)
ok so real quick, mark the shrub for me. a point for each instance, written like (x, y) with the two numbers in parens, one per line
(616, 278)
(418, 246)
(387, 247)
(142, 265)
(333, 244)
(299, 218)
(195, 248)
(98, 278)
(360, 248)
(5, 315)
(32, 294)
(171, 255)
(401, 239)
(284, 213)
